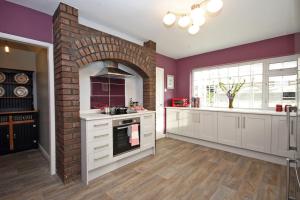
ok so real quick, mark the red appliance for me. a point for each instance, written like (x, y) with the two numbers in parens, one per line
(180, 102)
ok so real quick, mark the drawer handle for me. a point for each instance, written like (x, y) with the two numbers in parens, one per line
(148, 134)
(99, 136)
(96, 159)
(97, 125)
(148, 116)
(101, 147)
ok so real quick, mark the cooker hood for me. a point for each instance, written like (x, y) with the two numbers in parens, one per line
(111, 70)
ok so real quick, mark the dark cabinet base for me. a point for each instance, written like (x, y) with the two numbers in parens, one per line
(18, 132)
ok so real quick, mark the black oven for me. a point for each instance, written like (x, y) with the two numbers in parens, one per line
(121, 137)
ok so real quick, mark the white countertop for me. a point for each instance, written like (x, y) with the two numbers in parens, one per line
(234, 110)
(97, 115)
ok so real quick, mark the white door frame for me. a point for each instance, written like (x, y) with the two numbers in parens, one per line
(51, 94)
(163, 94)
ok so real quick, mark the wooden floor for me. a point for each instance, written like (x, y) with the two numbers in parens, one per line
(179, 170)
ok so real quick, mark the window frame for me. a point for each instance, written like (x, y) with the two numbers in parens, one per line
(265, 76)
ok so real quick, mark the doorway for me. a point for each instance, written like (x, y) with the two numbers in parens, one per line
(160, 110)
(42, 88)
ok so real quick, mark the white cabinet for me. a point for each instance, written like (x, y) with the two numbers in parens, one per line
(172, 121)
(147, 131)
(279, 143)
(185, 127)
(204, 124)
(229, 129)
(256, 132)
(249, 131)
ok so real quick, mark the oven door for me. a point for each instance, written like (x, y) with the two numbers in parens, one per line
(121, 139)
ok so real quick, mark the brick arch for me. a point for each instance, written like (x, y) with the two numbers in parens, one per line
(76, 45)
(94, 49)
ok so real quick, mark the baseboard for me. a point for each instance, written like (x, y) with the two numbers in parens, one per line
(243, 152)
(44, 153)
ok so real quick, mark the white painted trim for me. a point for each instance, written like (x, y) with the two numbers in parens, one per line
(244, 152)
(44, 152)
(51, 90)
(102, 28)
(161, 134)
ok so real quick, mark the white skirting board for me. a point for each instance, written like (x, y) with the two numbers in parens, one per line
(120, 163)
(244, 152)
(44, 153)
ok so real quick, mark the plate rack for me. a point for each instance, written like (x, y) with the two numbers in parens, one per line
(9, 102)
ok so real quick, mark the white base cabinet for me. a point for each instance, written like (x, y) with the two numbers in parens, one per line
(263, 133)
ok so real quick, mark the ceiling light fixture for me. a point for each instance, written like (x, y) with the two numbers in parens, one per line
(196, 17)
(6, 49)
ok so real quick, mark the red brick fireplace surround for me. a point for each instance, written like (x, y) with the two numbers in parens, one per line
(75, 46)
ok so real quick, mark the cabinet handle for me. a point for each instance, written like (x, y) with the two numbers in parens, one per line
(244, 122)
(147, 134)
(97, 125)
(99, 136)
(96, 159)
(238, 119)
(101, 147)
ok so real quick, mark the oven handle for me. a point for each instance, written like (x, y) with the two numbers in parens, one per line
(124, 127)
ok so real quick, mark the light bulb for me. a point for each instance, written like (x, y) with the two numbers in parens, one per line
(184, 21)
(6, 49)
(214, 6)
(169, 19)
(199, 21)
(198, 16)
(193, 29)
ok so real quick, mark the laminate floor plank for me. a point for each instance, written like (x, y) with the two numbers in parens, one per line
(178, 171)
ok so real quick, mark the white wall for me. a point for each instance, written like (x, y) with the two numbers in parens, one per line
(18, 59)
(43, 98)
(133, 85)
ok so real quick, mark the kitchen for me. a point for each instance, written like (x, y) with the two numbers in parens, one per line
(178, 108)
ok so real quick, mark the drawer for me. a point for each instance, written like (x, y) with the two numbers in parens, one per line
(99, 125)
(148, 139)
(99, 146)
(147, 128)
(96, 135)
(148, 119)
(99, 159)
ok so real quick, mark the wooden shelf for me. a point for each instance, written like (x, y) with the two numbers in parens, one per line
(16, 97)
(18, 112)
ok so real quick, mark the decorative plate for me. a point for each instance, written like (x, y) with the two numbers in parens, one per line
(2, 77)
(2, 91)
(21, 91)
(21, 78)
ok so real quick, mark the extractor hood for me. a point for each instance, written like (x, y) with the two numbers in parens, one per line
(111, 70)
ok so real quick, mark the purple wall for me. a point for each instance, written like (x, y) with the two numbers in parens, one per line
(25, 22)
(169, 66)
(275, 47)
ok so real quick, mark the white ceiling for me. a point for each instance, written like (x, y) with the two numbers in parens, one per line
(240, 22)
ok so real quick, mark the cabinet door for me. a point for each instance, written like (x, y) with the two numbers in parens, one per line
(147, 131)
(186, 123)
(229, 131)
(172, 121)
(279, 141)
(4, 140)
(25, 136)
(208, 129)
(256, 132)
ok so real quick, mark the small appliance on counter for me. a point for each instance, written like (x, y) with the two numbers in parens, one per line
(195, 102)
(180, 102)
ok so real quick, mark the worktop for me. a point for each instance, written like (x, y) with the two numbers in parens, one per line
(232, 110)
(87, 116)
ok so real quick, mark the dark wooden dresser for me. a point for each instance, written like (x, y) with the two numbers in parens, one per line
(18, 119)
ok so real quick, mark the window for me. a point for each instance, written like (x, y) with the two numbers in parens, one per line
(266, 83)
